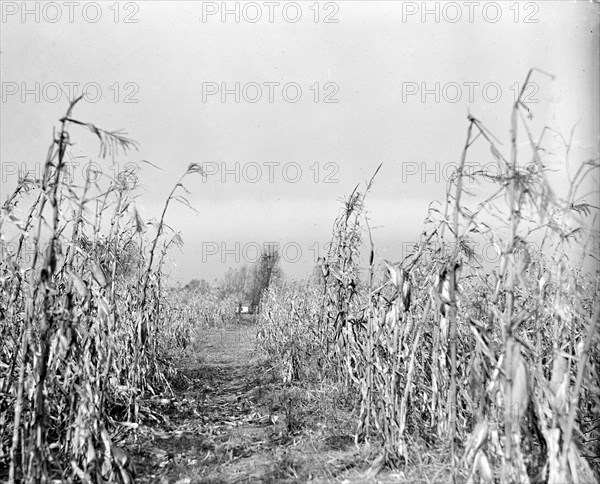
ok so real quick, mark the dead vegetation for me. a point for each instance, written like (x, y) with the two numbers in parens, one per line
(81, 300)
(441, 367)
(498, 360)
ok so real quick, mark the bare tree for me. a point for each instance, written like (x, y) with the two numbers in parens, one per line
(265, 271)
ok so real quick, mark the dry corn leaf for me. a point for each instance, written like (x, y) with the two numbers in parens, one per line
(581, 473)
(520, 382)
(91, 452)
(555, 473)
(559, 383)
(98, 274)
(103, 308)
(79, 285)
(483, 466)
(476, 440)
(391, 317)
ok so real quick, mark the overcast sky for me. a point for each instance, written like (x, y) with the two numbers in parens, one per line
(290, 105)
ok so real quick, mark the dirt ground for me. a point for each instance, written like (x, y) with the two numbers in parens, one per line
(232, 420)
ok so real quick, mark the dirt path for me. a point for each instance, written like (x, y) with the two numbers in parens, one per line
(214, 429)
(232, 421)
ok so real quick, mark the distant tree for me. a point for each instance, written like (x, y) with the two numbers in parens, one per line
(320, 271)
(266, 271)
(197, 285)
(237, 282)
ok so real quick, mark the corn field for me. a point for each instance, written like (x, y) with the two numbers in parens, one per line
(81, 311)
(499, 360)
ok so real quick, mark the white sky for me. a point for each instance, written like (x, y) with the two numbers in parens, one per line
(375, 56)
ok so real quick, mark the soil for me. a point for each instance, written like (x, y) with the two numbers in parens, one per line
(232, 420)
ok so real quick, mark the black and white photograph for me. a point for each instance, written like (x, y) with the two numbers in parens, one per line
(312, 241)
